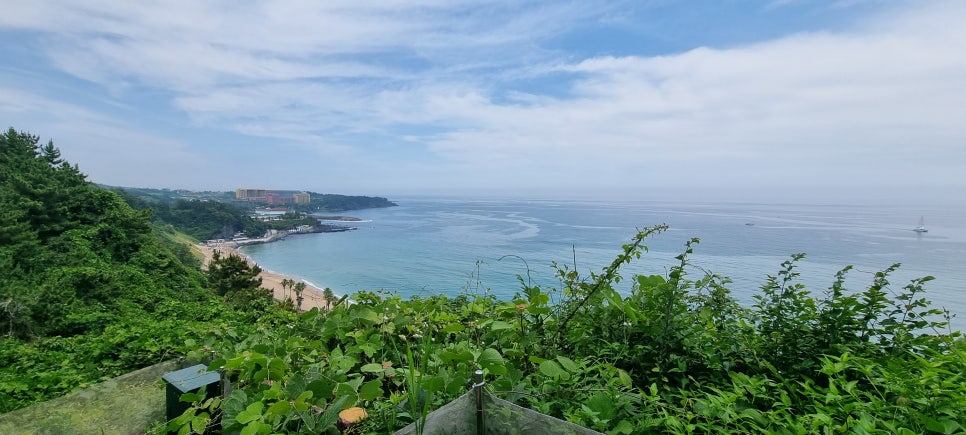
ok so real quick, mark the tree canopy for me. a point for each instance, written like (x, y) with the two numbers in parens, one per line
(88, 288)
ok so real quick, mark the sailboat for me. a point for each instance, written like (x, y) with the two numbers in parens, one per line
(922, 227)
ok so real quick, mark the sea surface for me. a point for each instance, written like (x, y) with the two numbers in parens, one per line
(429, 246)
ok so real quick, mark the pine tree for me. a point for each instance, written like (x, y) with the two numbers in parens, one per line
(235, 280)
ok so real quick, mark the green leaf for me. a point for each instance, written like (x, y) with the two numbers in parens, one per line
(273, 393)
(344, 389)
(295, 386)
(232, 407)
(342, 361)
(552, 369)
(536, 309)
(235, 363)
(251, 413)
(322, 388)
(490, 359)
(331, 414)
(355, 382)
(456, 355)
(216, 364)
(370, 390)
(300, 402)
(366, 315)
(280, 408)
(623, 427)
(433, 383)
(602, 404)
(649, 281)
(200, 422)
(349, 390)
(256, 428)
(369, 349)
(538, 299)
(752, 414)
(568, 364)
(944, 426)
(371, 368)
(277, 367)
(453, 328)
(499, 325)
(624, 378)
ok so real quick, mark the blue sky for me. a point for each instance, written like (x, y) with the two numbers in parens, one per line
(734, 99)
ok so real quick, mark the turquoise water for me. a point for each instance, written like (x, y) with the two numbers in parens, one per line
(437, 245)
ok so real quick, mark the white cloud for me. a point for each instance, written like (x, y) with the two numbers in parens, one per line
(441, 79)
(99, 144)
(856, 105)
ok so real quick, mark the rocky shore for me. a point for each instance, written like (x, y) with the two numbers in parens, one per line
(276, 235)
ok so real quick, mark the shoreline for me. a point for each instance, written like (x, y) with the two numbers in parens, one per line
(313, 297)
(276, 235)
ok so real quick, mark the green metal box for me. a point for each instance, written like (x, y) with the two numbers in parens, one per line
(188, 380)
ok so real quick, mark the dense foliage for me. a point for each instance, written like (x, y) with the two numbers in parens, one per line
(232, 278)
(88, 289)
(201, 219)
(676, 355)
(205, 220)
(168, 196)
(333, 202)
(73, 254)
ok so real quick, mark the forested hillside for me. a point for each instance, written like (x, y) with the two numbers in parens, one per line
(217, 215)
(200, 219)
(87, 289)
(327, 202)
(333, 202)
(73, 254)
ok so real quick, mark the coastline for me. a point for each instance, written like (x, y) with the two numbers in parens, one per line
(276, 235)
(313, 297)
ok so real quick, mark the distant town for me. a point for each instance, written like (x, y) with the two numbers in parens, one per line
(272, 197)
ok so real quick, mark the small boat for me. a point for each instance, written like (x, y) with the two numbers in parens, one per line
(922, 227)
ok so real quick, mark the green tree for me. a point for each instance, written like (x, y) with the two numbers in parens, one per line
(287, 285)
(299, 288)
(87, 289)
(235, 280)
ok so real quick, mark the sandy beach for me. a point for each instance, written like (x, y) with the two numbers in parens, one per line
(312, 297)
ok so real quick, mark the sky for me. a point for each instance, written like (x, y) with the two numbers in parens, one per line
(737, 99)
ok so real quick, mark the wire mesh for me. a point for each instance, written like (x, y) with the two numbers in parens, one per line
(500, 417)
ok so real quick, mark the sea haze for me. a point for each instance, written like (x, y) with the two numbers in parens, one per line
(436, 245)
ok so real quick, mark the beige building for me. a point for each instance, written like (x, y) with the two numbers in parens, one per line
(302, 198)
(249, 194)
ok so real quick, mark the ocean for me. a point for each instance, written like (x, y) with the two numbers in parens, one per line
(429, 246)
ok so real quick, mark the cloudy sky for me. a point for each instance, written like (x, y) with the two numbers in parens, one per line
(746, 98)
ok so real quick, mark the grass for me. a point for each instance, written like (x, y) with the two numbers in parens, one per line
(129, 404)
